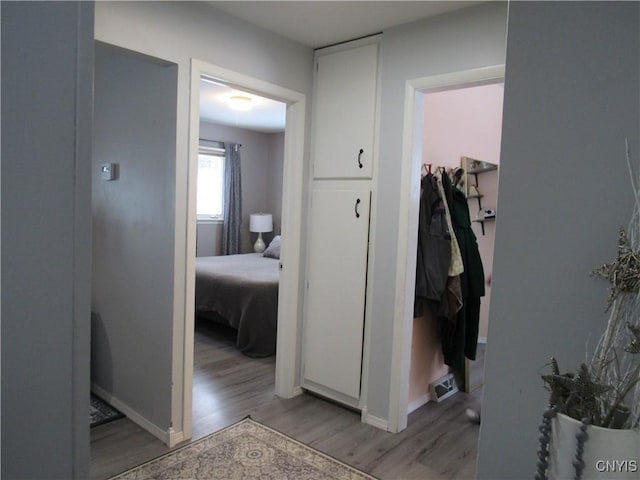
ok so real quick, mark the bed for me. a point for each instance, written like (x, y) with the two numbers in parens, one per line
(241, 291)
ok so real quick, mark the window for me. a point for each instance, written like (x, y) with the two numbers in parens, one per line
(209, 202)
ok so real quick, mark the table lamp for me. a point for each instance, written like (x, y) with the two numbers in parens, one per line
(260, 222)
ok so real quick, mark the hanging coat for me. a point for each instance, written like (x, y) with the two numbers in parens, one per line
(462, 339)
(454, 290)
(434, 252)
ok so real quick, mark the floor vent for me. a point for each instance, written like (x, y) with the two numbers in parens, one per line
(443, 388)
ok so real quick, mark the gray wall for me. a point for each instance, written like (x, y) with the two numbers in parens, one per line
(571, 98)
(463, 40)
(208, 239)
(178, 32)
(262, 156)
(133, 226)
(47, 69)
(274, 178)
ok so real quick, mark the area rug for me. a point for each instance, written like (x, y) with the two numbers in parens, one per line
(246, 450)
(101, 413)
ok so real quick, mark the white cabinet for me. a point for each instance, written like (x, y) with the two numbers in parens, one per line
(344, 113)
(336, 283)
(343, 142)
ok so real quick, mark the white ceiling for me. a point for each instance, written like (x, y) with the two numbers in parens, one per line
(322, 23)
(314, 24)
(265, 115)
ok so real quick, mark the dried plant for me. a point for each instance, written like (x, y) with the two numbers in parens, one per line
(607, 390)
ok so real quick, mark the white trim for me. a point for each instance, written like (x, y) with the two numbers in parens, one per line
(373, 218)
(165, 436)
(297, 390)
(482, 340)
(174, 438)
(407, 231)
(348, 45)
(210, 221)
(374, 421)
(418, 402)
(286, 381)
(331, 394)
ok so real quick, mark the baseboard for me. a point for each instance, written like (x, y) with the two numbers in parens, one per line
(174, 437)
(329, 394)
(168, 437)
(482, 340)
(297, 390)
(418, 402)
(374, 421)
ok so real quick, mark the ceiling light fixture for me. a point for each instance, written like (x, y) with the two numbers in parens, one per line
(239, 102)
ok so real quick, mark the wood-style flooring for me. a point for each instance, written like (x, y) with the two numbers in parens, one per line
(439, 443)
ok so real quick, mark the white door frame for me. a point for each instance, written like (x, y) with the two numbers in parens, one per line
(408, 225)
(286, 382)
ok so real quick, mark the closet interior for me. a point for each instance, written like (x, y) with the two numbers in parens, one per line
(458, 213)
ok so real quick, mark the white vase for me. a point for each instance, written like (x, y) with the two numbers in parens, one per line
(608, 454)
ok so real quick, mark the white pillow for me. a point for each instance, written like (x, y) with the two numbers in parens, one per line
(273, 250)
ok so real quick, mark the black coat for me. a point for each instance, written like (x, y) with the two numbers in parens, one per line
(461, 339)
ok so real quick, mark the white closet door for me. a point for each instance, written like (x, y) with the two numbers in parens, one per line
(344, 113)
(334, 322)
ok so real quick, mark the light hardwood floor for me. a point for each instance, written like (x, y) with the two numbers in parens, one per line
(439, 443)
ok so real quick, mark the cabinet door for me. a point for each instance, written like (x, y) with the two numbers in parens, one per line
(345, 112)
(334, 322)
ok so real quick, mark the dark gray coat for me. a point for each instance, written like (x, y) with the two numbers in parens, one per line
(434, 251)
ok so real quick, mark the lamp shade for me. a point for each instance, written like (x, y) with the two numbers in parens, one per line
(260, 222)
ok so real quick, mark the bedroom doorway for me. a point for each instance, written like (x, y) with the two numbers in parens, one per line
(236, 292)
(289, 263)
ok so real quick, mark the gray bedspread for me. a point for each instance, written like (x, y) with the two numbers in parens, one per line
(243, 290)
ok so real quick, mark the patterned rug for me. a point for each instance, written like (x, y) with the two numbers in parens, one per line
(101, 413)
(246, 450)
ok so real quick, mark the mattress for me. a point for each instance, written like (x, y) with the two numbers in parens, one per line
(242, 291)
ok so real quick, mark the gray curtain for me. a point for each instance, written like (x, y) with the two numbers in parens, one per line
(232, 200)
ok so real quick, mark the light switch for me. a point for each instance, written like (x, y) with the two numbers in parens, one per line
(108, 171)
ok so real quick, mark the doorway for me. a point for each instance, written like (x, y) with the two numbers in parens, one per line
(462, 130)
(289, 294)
(239, 200)
(408, 224)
